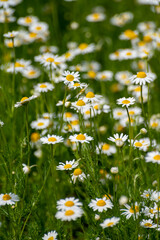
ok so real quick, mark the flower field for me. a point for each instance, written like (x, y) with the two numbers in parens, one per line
(79, 120)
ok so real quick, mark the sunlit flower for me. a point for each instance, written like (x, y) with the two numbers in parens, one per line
(26, 169)
(142, 78)
(69, 77)
(147, 193)
(24, 101)
(153, 157)
(68, 165)
(148, 223)
(78, 174)
(106, 148)
(12, 34)
(84, 48)
(51, 139)
(100, 204)
(50, 236)
(68, 203)
(131, 211)
(110, 222)
(27, 21)
(31, 73)
(126, 102)
(118, 137)
(96, 17)
(8, 199)
(41, 123)
(82, 138)
(69, 215)
(43, 87)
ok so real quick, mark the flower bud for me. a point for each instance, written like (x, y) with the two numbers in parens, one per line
(123, 200)
(143, 131)
(114, 170)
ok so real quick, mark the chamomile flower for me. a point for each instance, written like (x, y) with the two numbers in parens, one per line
(26, 169)
(91, 97)
(27, 21)
(123, 77)
(49, 60)
(147, 224)
(69, 77)
(119, 113)
(84, 48)
(69, 215)
(8, 199)
(50, 236)
(153, 157)
(142, 78)
(12, 34)
(104, 76)
(147, 193)
(51, 139)
(31, 72)
(155, 123)
(118, 137)
(68, 165)
(24, 101)
(40, 124)
(75, 85)
(38, 27)
(96, 17)
(68, 203)
(110, 222)
(79, 105)
(19, 66)
(131, 211)
(106, 148)
(127, 54)
(81, 138)
(126, 102)
(78, 174)
(142, 144)
(129, 35)
(100, 204)
(43, 87)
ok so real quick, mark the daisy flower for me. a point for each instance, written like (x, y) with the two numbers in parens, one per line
(129, 35)
(68, 203)
(41, 123)
(126, 54)
(38, 27)
(131, 211)
(148, 224)
(118, 137)
(100, 204)
(24, 101)
(50, 236)
(31, 73)
(78, 105)
(84, 48)
(96, 17)
(69, 215)
(51, 139)
(110, 222)
(12, 34)
(123, 77)
(49, 60)
(155, 196)
(69, 77)
(142, 78)
(26, 169)
(153, 157)
(27, 21)
(8, 199)
(142, 144)
(106, 148)
(78, 174)
(75, 85)
(119, 113)
(82, 138)
(105, 76)
(147, 193)
(68, 165)
(91, 97)
(126, 102)
(19, 66)
(43, 87)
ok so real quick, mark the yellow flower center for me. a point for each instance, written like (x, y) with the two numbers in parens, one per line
(35, 137)
(91, 74)
(33, 35)
(138, 144)
(95, 16)
(157, 157)
(154, 124)
(148, 225)
(90, 95)
(28, 20)
(128, 53)
(101, 203)
(80, 137)
(76, 84)
(43, 86)
(67, 166)
(69, 204)
(31, 73)
(96, 107)
(147, 39)
(17, 64)
(131, 112)
(110, 224)
(24, 98)
(132, 210)
(141, 75)
(119, 113)
(130, 34)
(68, 115)
(83, 46)
(137, 89)
(10, 44)
(51, 238)
(67, 55)
(38, 28)
(52, 139)
(87, 112)
(50, 59)
(125, 101)
(75, 122)
(6, 197)
(80, 103)
(105, 146)
(77, 172)
(70, 77)
(69, 212)
(40, 124)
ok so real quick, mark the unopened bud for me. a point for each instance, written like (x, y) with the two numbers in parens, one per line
(123, 200)
(97, 217)
(143, 131)
(114, 170)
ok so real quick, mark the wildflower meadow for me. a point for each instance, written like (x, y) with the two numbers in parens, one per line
(79, 119)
